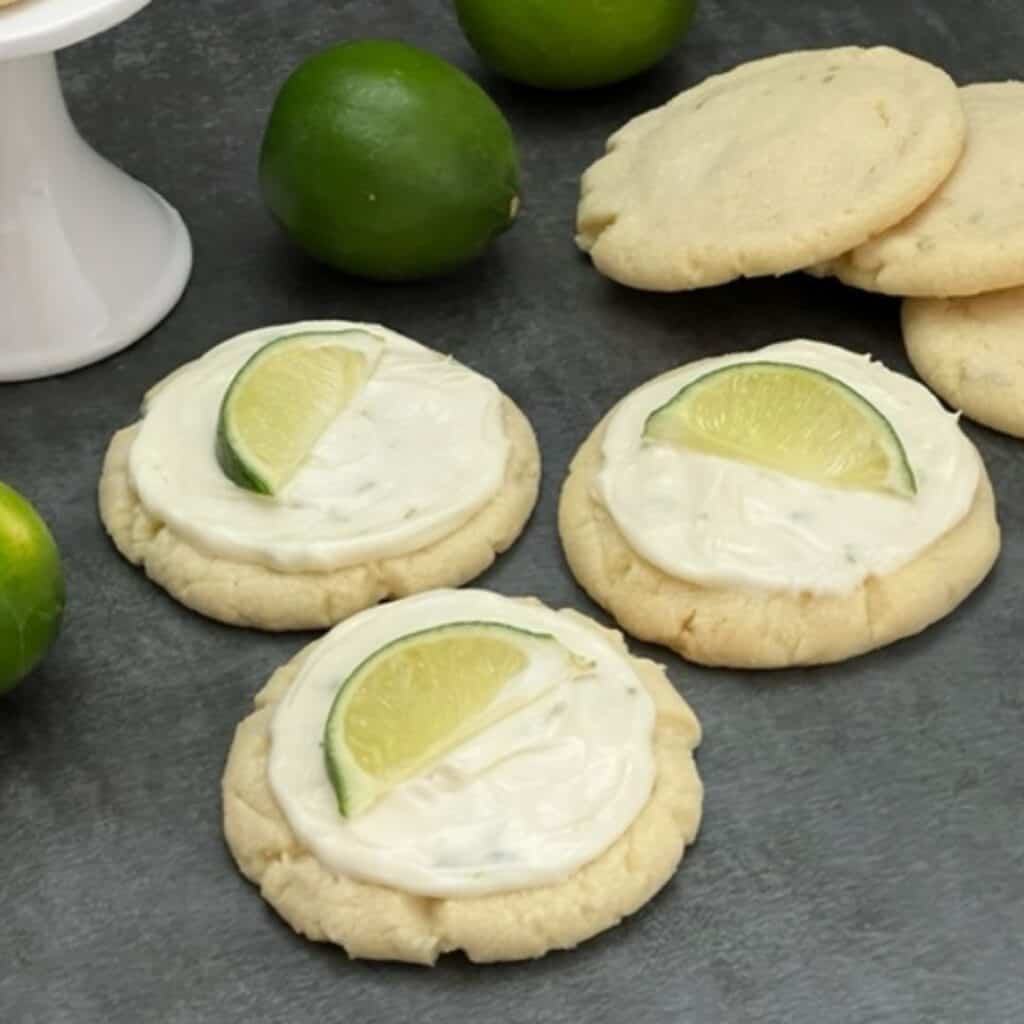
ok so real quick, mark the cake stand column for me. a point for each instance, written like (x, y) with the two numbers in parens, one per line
(90, 258)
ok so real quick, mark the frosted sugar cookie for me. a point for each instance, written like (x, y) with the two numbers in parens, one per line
(524, 782)
(822, 506)
(778, 164)
(970, 352)
(384, 505)
(969, 236)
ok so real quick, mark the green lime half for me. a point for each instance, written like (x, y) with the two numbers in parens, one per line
(791, 419)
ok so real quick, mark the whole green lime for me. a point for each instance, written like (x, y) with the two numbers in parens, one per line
(31, 588)
(387, 162)
(573, 44)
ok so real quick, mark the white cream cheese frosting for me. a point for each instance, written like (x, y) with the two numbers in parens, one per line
(524, 803)
(715, 521)
(418, 451)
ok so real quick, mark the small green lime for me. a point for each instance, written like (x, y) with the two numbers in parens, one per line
(422, 695)
(387, 162)
(573, 44)
(31, 588)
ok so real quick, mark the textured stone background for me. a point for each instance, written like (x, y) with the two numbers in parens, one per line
(862, 858)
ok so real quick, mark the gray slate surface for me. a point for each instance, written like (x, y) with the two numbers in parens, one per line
(862, 853)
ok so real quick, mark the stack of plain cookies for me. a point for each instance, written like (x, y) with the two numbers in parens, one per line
(866, 164)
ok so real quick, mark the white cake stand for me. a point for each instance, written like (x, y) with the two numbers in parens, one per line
(90, 258)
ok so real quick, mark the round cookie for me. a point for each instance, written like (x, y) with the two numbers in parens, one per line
(969, 236)
(245, 593)
(377, 922)
(771, 167)
(970, 352)
(742, 626)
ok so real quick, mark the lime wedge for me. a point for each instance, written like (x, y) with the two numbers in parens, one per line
(281, 401)
(419, 697)
(787, 418)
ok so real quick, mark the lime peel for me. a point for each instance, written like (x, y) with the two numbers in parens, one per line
(788, 418)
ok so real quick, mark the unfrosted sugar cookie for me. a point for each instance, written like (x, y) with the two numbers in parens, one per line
(970, 352)
(385, 505)
(744, 564)
(969, 236)
(778, 164)
(569, 809)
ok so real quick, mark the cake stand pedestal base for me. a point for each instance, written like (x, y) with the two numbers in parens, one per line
(90, 258)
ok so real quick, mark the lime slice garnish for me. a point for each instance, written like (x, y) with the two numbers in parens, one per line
(283, 399)
(419, 697)
(787, 418)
